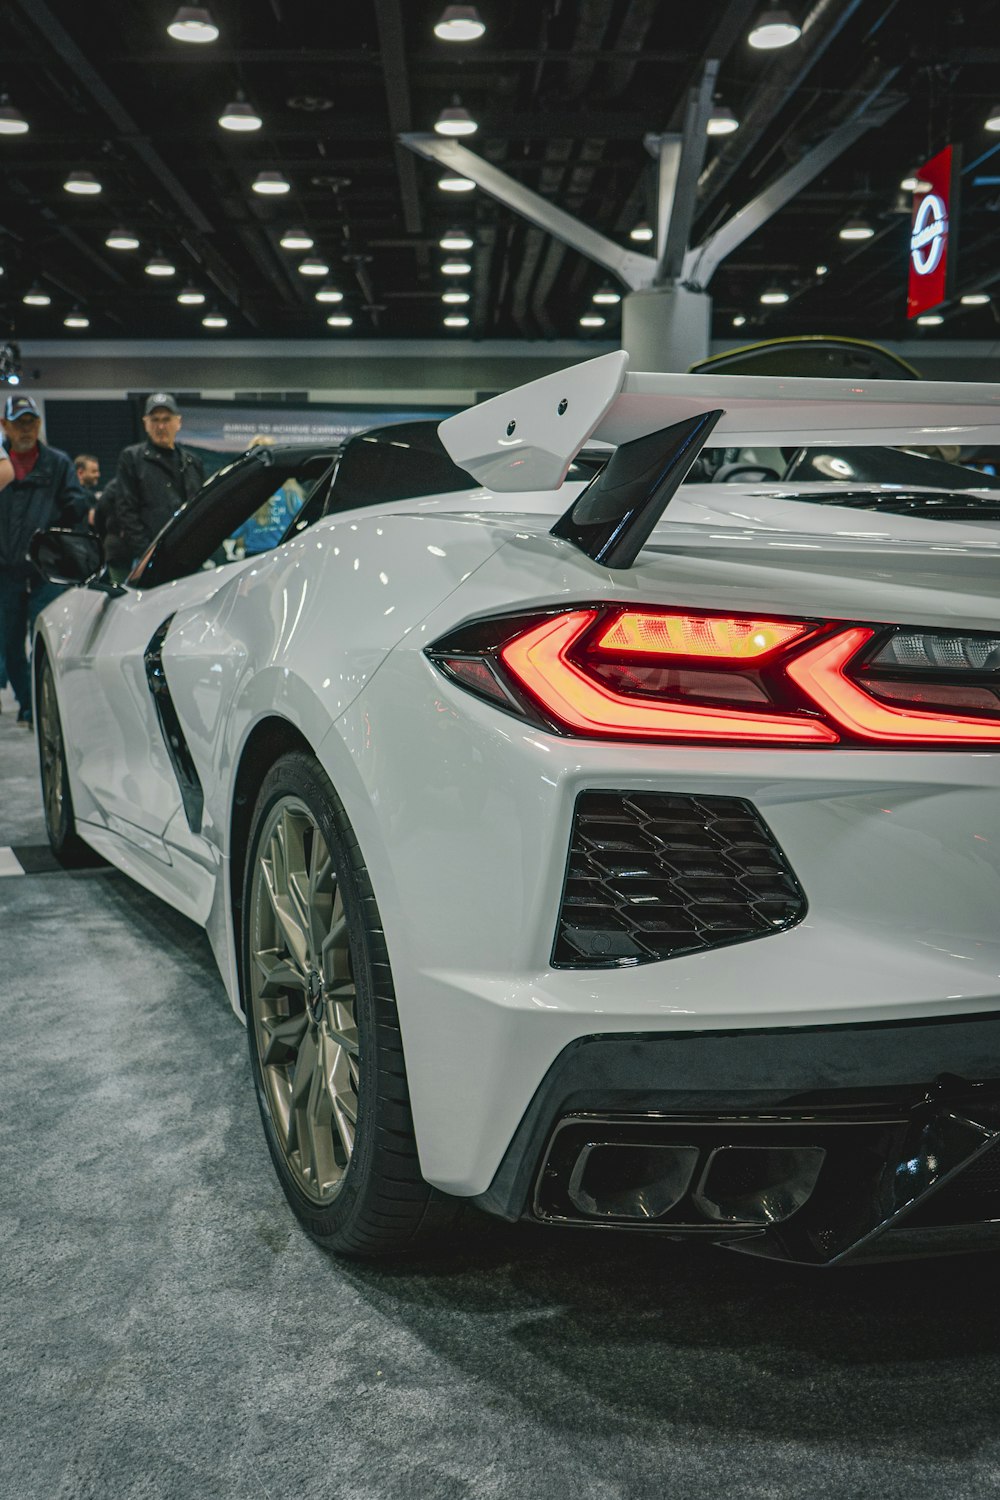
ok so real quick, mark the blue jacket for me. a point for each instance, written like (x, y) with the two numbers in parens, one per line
(51, 495)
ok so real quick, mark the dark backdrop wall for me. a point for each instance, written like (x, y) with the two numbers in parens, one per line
(103, 428)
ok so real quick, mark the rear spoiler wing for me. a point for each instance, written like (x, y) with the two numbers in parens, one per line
(527, 439)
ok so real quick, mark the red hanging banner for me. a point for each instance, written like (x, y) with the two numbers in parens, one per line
(932, 233)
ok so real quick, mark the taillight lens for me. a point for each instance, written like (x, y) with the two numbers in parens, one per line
(609, 672)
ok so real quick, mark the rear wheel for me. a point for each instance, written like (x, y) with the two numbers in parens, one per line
(60, 824)
(324, 1037)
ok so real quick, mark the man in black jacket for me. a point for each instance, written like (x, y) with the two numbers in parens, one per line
(44, 492)
(156, 477)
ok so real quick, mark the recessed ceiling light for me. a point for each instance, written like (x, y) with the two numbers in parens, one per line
(459, 23)
(773, 297)
(159, 265)
(992, 121)
(193, 23)
(339, 320)
(313, 265)
(456, 268)
(455, 297)
(84, 183)
(239, 115)
(912, 183)
(76, 320)
(190, 296)
(592, 320)
(12, 122)
(773, 28)
(271, 183)
(36, 297)
(606, 296)
(930, 320)
(739, 320)
(122, 239)
(456, 320)
(456, 239)
(296, 239)
(822, 270)
(856, 229)
(329, 293)
(455, 121)
(452, 183)
(721, 121)
(975, 299)
(215, 320)
(642, 232)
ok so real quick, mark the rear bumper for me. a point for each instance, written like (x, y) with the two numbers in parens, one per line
(883, 1120)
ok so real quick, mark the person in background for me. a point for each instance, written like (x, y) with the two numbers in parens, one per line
(268, 524)
(88, 472)
(155, 477)
(44, 492)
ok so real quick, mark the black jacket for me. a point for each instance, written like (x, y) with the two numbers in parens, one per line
(147, 494)
(51, 495)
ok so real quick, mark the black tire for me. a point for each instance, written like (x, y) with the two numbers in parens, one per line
(57, 802)
(380, 1204)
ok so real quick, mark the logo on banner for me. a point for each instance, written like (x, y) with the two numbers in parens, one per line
(929, 235)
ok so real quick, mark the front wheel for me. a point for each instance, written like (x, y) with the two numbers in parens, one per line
(60, 824)
(325, 1045)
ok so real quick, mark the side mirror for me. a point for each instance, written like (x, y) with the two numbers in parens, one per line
(69, 557)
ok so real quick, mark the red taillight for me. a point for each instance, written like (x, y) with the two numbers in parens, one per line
(612, 672)
(541, 663)
(703, 636)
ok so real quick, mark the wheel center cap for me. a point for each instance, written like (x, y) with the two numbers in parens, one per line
(314, 994)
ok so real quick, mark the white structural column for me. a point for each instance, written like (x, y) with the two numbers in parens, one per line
(666, 328)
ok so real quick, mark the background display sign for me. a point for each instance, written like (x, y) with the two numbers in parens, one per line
(932, 233)
(219, 430)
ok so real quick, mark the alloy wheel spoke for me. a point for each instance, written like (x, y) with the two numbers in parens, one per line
(284, 1038)
(291, 929)
(277, 973)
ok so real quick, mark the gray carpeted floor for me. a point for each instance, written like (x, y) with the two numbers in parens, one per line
(167, 1333)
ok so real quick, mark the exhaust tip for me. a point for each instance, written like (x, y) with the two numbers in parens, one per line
(757, 1185)
(622, 1181)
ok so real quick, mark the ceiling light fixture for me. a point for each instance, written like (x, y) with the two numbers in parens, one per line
(592, 320)
(856, 229)
(452, 183)
(271, 184)
(76, 319)
(215, 320)
(721, 121)
(84, 183)
(739, 320)
(773, 296)
(329, 293)
(455, 296)
(239, 115)
(456, 320)
(296, 239)
(12, 122)
(912, 183)
(160, 265)
(455, 121)
(974, 299)
(313, 265)
(339, 320)
(459, 23)
(36, 296)
(930, 320)
(456, 239)
(606, 296)
(122, 239)
(822, 270)
(193, 23)
(992, 121)
(773, 28)
(190, 296)
(642, 231)
(456, 268)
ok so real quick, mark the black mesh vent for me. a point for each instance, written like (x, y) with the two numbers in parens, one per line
(652, 875)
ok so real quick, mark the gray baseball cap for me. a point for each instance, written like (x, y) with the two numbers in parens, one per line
(161, 398)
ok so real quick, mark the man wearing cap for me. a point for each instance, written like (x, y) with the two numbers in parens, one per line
(44, 492)
(155, 477)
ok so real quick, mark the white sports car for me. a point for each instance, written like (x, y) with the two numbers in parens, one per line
(598, 862)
